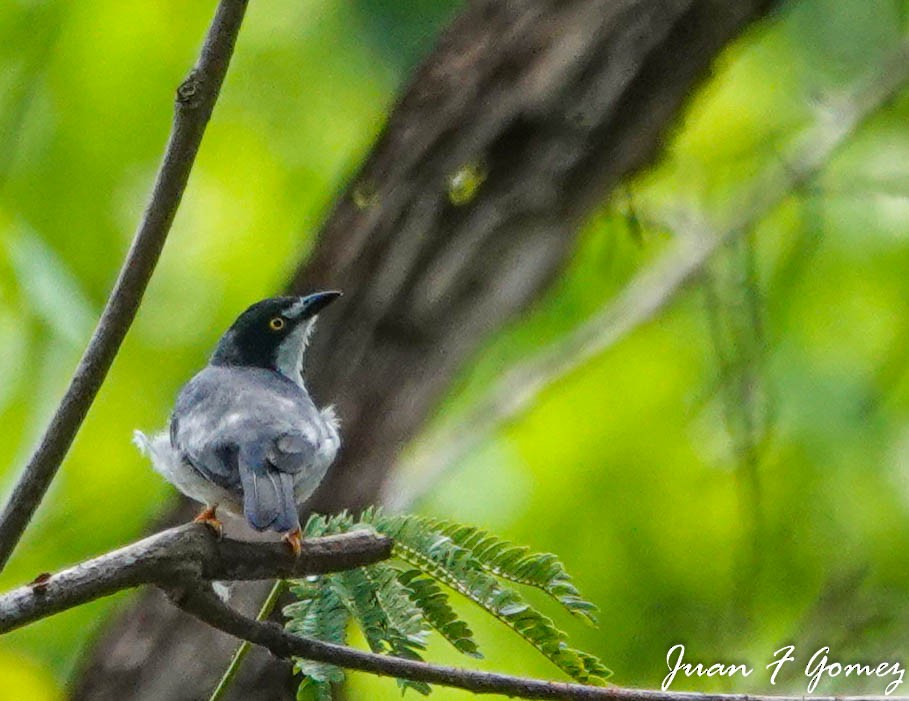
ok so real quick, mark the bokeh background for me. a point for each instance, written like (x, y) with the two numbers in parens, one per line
(734, 475)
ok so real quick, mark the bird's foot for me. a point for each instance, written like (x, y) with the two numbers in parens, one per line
(208, 517)
(294, 540)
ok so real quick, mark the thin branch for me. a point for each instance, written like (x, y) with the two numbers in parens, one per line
(203, 604)
(649, 292)
(195, 101)
(186, 553)
(277, 591)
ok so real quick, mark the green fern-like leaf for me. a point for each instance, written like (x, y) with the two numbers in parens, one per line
(396, 607)
(408, 628)
(389, 620)
(317, 613)
(405, 618)
(318, 526)
(436, 554)
(433, 602)
(518, 564)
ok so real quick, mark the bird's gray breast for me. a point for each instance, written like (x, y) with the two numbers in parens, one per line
(225, 411)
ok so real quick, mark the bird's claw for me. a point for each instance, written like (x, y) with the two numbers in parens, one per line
(208, 517)
(294, 540)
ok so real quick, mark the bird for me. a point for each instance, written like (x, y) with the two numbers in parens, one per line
(244, 434)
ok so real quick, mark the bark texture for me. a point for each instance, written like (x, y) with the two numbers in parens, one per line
(544, 106)
(190, 555)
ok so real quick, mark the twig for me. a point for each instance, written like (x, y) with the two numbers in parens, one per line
(195, 100)
(203, 604)
(648, 293)
(243, 649)
(189, 552)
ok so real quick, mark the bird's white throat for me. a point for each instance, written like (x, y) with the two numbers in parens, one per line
(289, 359)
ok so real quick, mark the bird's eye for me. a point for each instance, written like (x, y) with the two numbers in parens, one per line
(277, 323)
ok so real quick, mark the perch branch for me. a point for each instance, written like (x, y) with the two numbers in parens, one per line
(186, 553)
(195, 100)
(182, 561)
(649, 293)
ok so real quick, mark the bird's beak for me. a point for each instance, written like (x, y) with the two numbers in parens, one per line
(310, 305)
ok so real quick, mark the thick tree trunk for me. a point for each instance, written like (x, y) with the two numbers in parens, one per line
(545, 105)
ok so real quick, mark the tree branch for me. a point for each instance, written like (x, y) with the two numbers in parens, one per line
(182, 560)
(649, 292)
(189, 553)
(195, 101)
(203, 604)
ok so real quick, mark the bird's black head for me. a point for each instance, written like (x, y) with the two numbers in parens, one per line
(272, 334)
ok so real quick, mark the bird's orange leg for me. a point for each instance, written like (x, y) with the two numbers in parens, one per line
(294, 540)
(208, 517)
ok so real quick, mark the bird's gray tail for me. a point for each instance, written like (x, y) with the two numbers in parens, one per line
(268, 495)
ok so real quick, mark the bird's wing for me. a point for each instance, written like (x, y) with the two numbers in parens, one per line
(216, 460)
(291, 452)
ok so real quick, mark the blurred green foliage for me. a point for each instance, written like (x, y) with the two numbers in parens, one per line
(631, 469)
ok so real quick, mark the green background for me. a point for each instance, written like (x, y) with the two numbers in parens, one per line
(733, 476)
